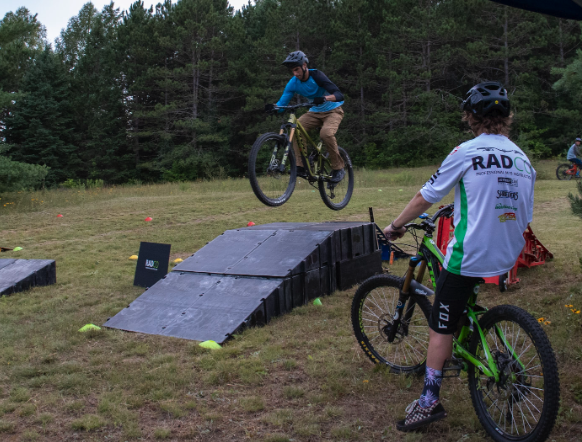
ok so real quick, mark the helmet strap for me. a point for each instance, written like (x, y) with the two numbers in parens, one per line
(304, 72)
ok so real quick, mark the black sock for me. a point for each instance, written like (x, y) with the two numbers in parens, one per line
(432, 387)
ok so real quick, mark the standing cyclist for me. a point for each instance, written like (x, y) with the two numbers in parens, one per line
(573, 153)
(494, 188)
(327, 112)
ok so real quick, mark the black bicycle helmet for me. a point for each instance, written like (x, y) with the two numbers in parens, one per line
(485, 98)
(295, 59)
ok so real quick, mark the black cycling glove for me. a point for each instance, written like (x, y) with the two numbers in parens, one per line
(319, 100)
(270, 108)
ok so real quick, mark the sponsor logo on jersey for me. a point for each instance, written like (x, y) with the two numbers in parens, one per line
(433, 178)
(491, 149)
(507, 194)
(507, 216)
(504, 207)
(501, 162)
(509, 181)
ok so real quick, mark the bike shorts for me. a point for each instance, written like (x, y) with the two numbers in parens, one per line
(452, 293)
(576, 161)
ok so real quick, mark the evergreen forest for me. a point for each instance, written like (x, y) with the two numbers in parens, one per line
(176, 92)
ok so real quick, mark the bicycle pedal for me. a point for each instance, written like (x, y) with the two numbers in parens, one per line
(453, 365)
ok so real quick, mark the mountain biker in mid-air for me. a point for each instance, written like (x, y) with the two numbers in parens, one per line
(494, 187)
(327, 112)
(573, 153)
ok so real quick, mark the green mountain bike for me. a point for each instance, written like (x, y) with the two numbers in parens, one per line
(273, 172)
(511, 367)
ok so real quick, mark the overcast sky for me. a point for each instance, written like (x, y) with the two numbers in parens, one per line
(55, 14)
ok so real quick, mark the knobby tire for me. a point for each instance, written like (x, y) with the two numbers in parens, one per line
(560, 172)
(379, 293)
(543, 373)
(262, 144)
(323, 185)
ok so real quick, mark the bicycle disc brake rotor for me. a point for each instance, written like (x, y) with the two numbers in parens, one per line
(385, 325)
(512, 380)
(274, 170)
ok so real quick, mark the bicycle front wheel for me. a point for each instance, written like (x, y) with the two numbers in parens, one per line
(373, 311)
(272, 176)
(561, 172)
(336, 196)
(523, 405)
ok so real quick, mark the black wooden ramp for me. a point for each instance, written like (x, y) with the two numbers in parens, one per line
(17, 275)
(245, 277)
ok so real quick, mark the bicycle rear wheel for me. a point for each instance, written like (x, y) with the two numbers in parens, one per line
(561, 172)
(272, 182)
(373, 311)
(336, 196)
(523, 405)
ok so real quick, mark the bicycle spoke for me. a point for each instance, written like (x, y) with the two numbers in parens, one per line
(512, 404)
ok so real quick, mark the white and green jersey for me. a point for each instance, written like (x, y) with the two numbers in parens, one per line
(494, 191)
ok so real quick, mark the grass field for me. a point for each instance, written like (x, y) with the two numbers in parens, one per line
(300, 378)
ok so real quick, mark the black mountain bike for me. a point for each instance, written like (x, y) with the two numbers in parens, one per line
(273, 172)
(512, 371)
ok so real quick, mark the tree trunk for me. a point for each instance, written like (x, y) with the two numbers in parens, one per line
(361, 78)
(195, 84)
(428, 65)
(506, 50)
(390, 92)
(404, 116)
(167, 122)
(210, 80)
(561, 42)
(135, 124)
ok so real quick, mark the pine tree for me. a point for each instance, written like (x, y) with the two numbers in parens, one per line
(40, 124)
(97, 100)
(21, 39)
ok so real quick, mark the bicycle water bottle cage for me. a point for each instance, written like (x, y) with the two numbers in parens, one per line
(423, 216)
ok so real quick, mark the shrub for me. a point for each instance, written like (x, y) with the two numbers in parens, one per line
(15, 176)
(576, 200)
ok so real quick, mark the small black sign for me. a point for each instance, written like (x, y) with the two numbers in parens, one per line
(152, 263)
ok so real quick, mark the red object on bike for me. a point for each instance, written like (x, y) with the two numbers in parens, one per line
(533, 253)
(59, 216)
(149, 218)
(250, 224)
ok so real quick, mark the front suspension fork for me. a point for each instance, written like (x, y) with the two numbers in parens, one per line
(405, 297)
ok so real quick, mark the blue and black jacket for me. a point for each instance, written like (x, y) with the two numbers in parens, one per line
(317, 85)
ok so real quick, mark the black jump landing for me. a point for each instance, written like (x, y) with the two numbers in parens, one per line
(247, 276)
(17, 275)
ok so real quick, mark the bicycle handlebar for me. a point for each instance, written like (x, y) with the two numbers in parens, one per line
(295, 106)
(444, 211)
(428, 224)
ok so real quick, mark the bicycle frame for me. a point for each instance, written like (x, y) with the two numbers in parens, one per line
(293, 126)
(427, 253)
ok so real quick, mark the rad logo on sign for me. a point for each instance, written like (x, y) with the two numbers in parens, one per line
(509, 181)
(508, 216)
(151, 264)
(507, 194)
